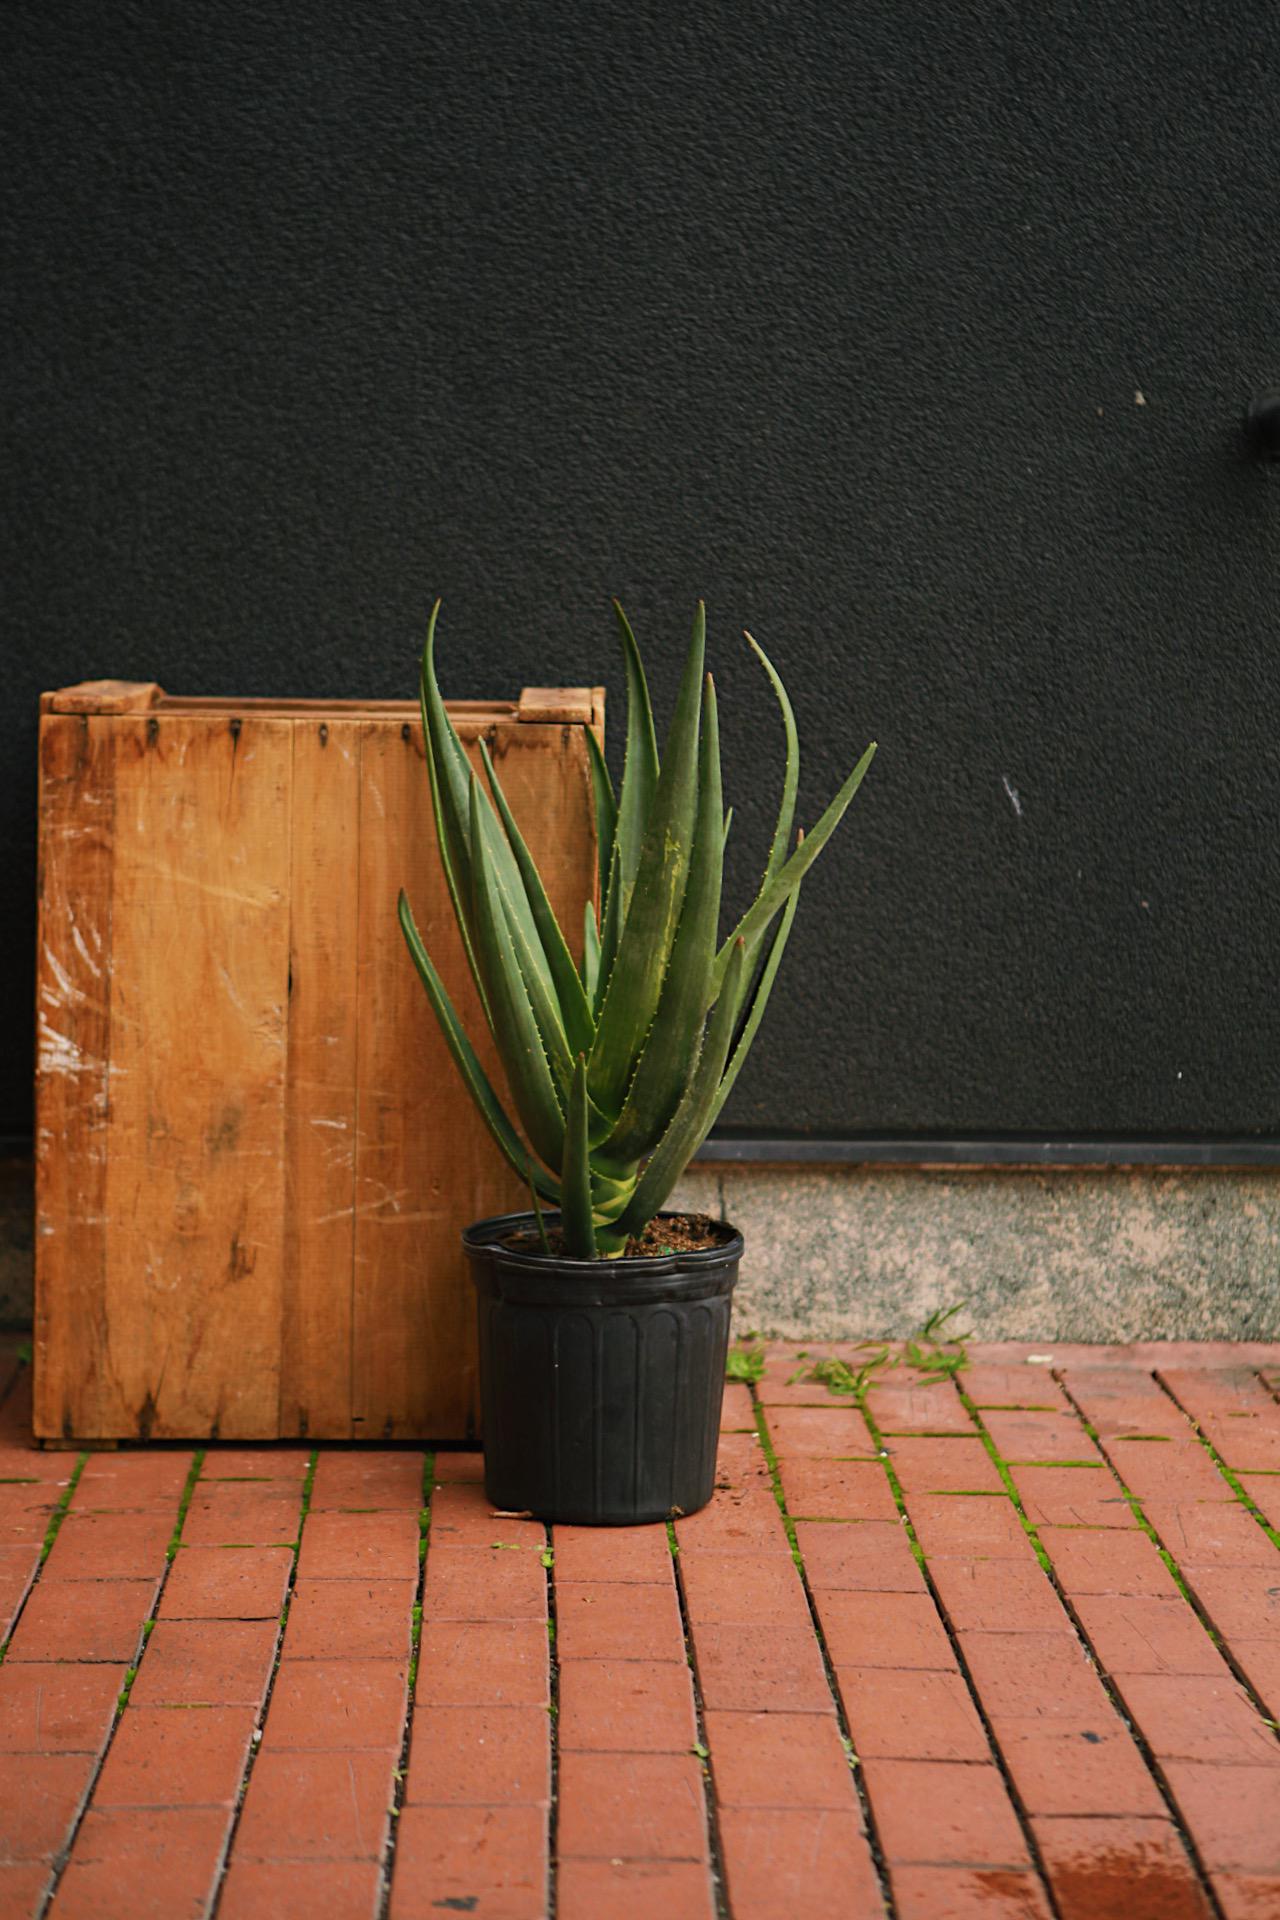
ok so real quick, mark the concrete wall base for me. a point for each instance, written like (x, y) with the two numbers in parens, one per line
(1082, 1254)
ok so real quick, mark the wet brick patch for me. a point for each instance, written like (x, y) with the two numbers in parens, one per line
(1002, 1645)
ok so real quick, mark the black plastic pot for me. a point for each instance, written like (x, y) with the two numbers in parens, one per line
(600, 1380)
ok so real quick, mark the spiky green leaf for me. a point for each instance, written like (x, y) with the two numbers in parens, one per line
(452, 775)
(590, 953)
(757, 942)
(635, 984)
(640, 769)
(610, 930)
(791, 772)
(520, 1042)
(448, 786)
(779, 886)
(606, 809)
(672, 1042)
(693, 1116)
(755, 1012)
(473, 1074)
(575, 1187)
(573, 1009)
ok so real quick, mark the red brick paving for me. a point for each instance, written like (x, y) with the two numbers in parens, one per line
(470, 1858)
(317, 1805)
(227, 1583)
(635, 1890)
(484, 1663)
(1119, 1869)
(142, 1865)
(302, 1890)
(636, 1555)
(347, 1705)
(57, 1709)
(193, 1663)
(608, 1620)
(626, 1706)
(950, 1701)
(352, 1620)
(175, 1757)
(783, 1862)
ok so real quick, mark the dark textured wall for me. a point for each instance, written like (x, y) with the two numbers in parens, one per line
(915, 337)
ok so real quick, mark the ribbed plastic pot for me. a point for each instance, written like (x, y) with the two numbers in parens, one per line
(601, 1381)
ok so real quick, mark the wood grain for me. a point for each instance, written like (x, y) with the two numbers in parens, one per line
(426, 1166)
(546, 706)
(320, 1136)
(195, 1173)
(413, 1353)
(74, 1391)
(106, 696)
(256, 1157)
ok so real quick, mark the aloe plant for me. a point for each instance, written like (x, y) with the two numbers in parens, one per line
(618, 1065)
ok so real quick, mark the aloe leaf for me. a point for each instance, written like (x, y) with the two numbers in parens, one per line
(640, 771)
(672, 1041)
(452, 776)
(791, 773)
(606, 809)
(574, 1012)
(445, 751)
(515, 1027)
(755, 1013)
(776, 889)
(545, 1012)
(473, 1074)
(728, 822)
(448, 784)
(644, 947)
(575, 1186)
(542, 1225)
(786, 810)
(610, 929)
(693, 1116)
(590, 952)
(454, 773)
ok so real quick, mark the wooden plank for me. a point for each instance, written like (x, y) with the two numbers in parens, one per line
(195, 1200)
(106, 696)
(320, 1137)
(425, 1164)
(74, 1391)
(465, 714)
(551, 706)
(413, 1355)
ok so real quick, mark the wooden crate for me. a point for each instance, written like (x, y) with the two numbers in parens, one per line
(253, 1152)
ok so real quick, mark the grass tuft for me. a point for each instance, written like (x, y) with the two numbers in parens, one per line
(745, 1364)
(934, 1352)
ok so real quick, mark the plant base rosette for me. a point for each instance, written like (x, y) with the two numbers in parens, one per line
(601, 1382)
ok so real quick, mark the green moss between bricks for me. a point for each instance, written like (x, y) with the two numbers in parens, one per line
(197, 1465)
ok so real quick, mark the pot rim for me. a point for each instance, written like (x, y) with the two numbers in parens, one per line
(485, 1236)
